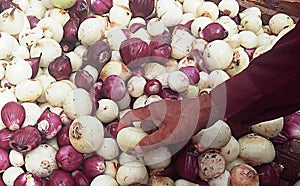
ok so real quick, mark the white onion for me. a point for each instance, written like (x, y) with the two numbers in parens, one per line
(152, 70)
(191, 92)
(270, 128)
(191, 6)
(45, 80)
(208, 9)
(11, 174)
(21, 52)
(129, 137)
(47, 49)
(37, 9)
(120, 14)
(80, 50)
(109, 149)
(181, 43)
(41, 160)
(250, 11)
(47, 4)
(216, 77)
(230, 26)
(107, 111)
(280, 21)
(28, 37)
(135, 86)
(186, 17)
(235, 162)
(140, 101)
(75, 59)
(255, 149)
(229, 7)
(222, 180)
(171, 65)
(28, 90)
(52, 28)
(91, 30)
(23, 4)
(115, 68)
(115, 37)
(16, 158)
(2, 69)
(178, 81)
(199, 23)
(233, 40)
(10, 45)
(172, 17)
(124, 102)
(56, 93)
(153, 98)
(183, 182)
(104, 180)
(240, 62)
(77, 103)
(126, 158)
(111, 167)
(231, 150)
(60, 15)
(248, 39)
(18, 66)
(203, 82)
(158, 158)
(33, 112)
(261, 50)
(163, 79)
(155, 26)
(86, 134)
(217, 55)
(163, 6)
(252, 23)
(12, 21)
(132, 172)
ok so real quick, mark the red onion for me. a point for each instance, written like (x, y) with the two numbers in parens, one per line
(192, 73)
(4, 159)
(169, 171)
(63, 136)
(28, 178)
(93, 166)
(136, 26)
(68, 158)
(291, 128)
(80, 10)
(80, 179)
(269, 174)
(1, 182)
(186, 164)
(152, 87)
(67, 46)
(111, 129)
(167, 93)
(49, 124)
(71, 29)
(141, 8)
(134, 51)
(13, 115)
(101, 6)
(98, 54)
(34, 64)
(44, 182)
(95, 93)
(138, 71)
(250, 52)
(5, 137)
(33, 20)
(5, 4)
(213, 31)
(60, 177)
(279, 139)
(60, 68)
(113, 87)
(25, 139)
(160, 47)
(83, 79)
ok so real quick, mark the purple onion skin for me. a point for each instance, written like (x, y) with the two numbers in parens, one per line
(291, 126)
(186, 164)
(113, 87)
(83, 79)
(192, 73)
(279, 139)
(68, 158)
(80, 179)
(141, 8)
(4, 160)
(101, 6)
(136, 26)
(34, 64)
(67, 46)
(33, 21)
(25, 139)
(13, 115)
(5, 137)
(213, 31)
(52, 121)
(169, 171)
(61, 178)
(160, 54)
(1, 182)
(196, 55)
(63, 136)
(152, 87)
(44, 182)
(5, 4)
(60, 68)
(269, 174)
(93, 166)
(250, 52)
(168, 94)
(95, 93)
(134, 52)
(111, 130)
(80, 10)
(138, 71)
(98, 54)
(71, 29)
(28, 178)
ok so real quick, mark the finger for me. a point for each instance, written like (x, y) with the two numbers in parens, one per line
(138, 114)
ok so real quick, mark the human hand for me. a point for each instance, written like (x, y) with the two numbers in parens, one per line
(176, 120)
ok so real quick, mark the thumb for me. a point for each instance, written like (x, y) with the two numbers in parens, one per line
(142, 113)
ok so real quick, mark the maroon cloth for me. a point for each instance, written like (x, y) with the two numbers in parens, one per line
(269, 88)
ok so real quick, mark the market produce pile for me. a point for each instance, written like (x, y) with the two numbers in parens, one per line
(70, 69)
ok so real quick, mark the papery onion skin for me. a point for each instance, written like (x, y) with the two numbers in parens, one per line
(60, 68)
(152, 87)
(93, 166)
(71, 29)
(141, 8)
(4, 157)
(25, 139)
(80, 178)
(113, 87)
(49, 124)
(291, 127)
(68, 158)
(168, 94)
(269, 174)
(134, 51)
(101, 6)
(28, 178)
(63, 136)
(192, 73)
(5, 137)
(111, 130)
(213, 31)
(13, 115)
(83, 79)
(80, 10)
(95, 93)
(34, 63)
(60, 177)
